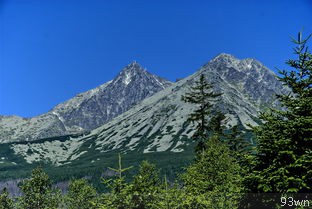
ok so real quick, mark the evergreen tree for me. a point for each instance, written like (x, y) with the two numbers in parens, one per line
(120, 196)
(284, 153)
(38, 192)
(5, 201)
(169, 197)
(236, 141)
(201, 94)
(240, 147)
(214, 180)
(145, 186)
(81, 195)
(216, 124)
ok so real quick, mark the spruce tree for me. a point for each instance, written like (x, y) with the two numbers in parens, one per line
(236, 141)
(38, 192)
(120, 195)
(201, 94)
(216, 124)
(240, 147)
(146, 186)
(283, 163)
(214, 180)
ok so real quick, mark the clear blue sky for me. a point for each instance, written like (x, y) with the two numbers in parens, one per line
(53, 49)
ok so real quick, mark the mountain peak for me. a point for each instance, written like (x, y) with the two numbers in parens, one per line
(131, 70)
(133, 66)
(224, 57)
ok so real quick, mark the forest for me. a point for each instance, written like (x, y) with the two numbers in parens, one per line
(226, 172)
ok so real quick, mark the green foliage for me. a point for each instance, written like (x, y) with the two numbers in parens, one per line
(120, 170)
(38, 192)
(215, 123)
(240, 148)
(236, 141)
(214, 178)
(145, 190)
(168, 196)
(284, 154)
(120, 192)
(201, 94)
(93, 162)
(5, 201)
(145, 186)
(81, 195)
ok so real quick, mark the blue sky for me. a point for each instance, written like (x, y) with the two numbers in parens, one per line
(53, 49)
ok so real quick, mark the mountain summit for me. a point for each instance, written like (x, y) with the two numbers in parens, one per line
(133, 74)
(87, 110)
(129, 87)
(130, 72)
(248, 76)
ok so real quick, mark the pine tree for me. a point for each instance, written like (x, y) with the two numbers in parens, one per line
(284, 152)
(38, 192)
(201, 94)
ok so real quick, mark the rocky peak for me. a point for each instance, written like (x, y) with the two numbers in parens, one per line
(90, 109)
(248, 65)
(133, 67)
(227, 64)
(128, 74)
(225, 58)
(246, 75)
(134, 76)
(130, 86)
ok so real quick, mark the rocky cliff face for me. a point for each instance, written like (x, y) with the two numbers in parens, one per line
(96, 107)
(87, 110)
(249, 76)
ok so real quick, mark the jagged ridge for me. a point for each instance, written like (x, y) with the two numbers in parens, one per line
(87, 110)
(159, 123)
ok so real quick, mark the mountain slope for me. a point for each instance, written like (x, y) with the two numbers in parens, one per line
(159, 123)
(87, 110)
(100, 105)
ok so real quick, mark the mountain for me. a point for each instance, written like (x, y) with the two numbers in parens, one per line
(158, 124)
(87, 110)
(155, 129)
